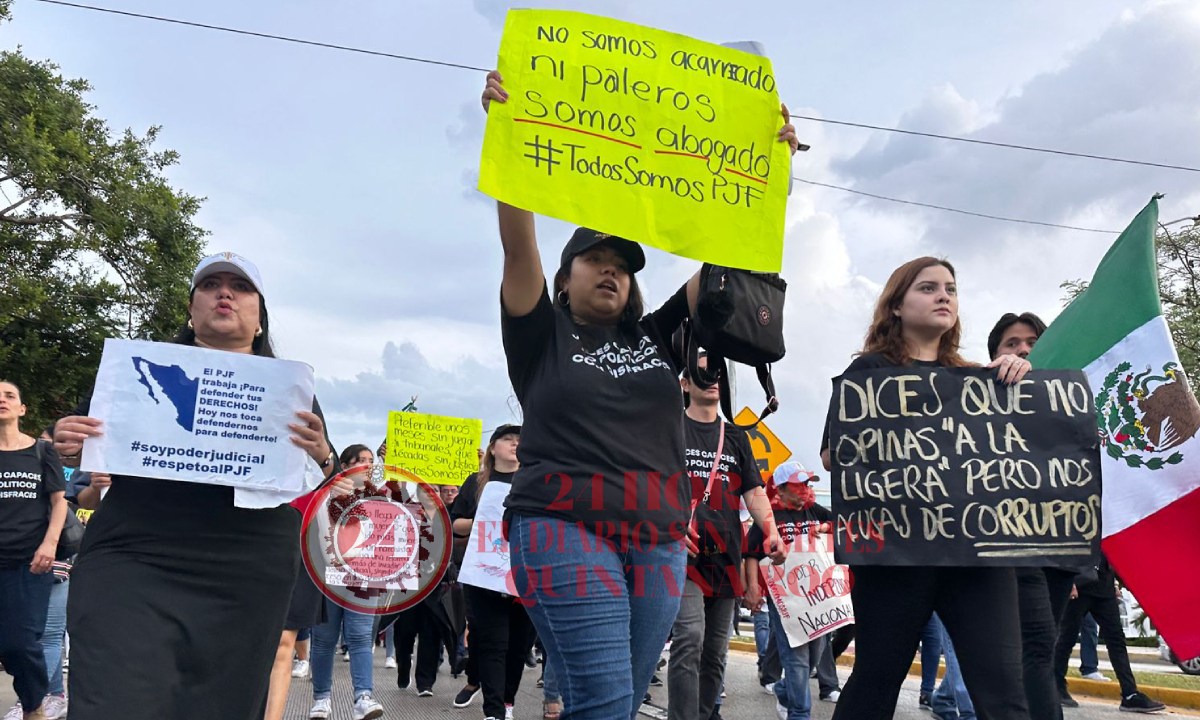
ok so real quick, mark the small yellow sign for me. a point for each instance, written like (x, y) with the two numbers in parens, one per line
(768, 449)
(438, 449)
(641, 133)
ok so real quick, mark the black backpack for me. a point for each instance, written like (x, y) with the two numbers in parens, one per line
(72, 532)
(739, 318)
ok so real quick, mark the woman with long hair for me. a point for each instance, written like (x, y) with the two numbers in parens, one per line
(180, 590)
(500, 629)
(599, 508)
(916, 324)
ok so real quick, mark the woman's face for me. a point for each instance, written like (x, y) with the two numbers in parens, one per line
(796, 494)
(931, 302)
(10, 402)
(364, 457)
(224, 310)
(598, 285)
(505, 447)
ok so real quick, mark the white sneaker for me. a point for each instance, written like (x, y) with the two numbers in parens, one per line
(367, 708)
(769, 688)
(54, 707)
(320, 710)
(508, 712)
(346, 656)
(14, 713)
(833, 696)
(1096, 676)
(780, 711)
(390, 663)
(300, 668)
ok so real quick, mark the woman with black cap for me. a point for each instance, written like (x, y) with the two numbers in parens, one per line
(178, 597)
(501, 633)
(599, 507)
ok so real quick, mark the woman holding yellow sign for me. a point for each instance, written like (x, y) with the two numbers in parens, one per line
(599, 507)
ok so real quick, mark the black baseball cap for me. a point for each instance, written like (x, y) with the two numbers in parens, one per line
(585, 239)
(503, 430)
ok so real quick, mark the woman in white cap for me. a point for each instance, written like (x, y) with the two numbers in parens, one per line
(179, 594)
(599, 507)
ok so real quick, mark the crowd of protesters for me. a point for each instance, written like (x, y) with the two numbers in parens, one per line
(189, 600)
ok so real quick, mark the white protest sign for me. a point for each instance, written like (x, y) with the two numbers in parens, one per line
(810, 591)
(178, 412)
(486, 562)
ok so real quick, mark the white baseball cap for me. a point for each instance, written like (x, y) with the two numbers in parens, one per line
(793, 472)
(231, 263)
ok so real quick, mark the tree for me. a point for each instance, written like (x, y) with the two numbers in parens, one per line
(1178, 253)
(94, 242)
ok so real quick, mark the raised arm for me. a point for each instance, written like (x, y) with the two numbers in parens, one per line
(523, 280)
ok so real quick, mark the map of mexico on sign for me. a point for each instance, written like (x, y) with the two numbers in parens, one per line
(768, 449)
(641, 133)
(177, 412)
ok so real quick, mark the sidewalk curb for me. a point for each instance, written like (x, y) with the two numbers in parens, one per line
(1172, 697)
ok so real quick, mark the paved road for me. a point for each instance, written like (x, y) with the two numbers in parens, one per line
(746, 700)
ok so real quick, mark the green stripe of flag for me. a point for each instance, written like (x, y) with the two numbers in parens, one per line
(1122, 296)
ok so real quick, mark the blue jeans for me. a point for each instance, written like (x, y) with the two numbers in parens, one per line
(792, 689)
(1089, 637)
(768, 655)
(931, 653)
(389, 641)
(52, 640)
(550, 691)
(24, 600)
(359, 632)
(951, 701)
(602, 612)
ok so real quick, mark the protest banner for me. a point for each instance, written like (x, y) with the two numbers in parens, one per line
(178, 412)
(640, 133)
(810, 590)
(438, 449)
(486, 562)
(941, 466)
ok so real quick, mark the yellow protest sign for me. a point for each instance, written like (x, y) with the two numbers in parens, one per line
(641, 133)
(768, 449)
(440, 450)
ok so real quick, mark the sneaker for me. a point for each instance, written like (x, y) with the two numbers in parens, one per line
(769, 688)
(320, 710)
(781, 712)
(832, 697)
(723, 694)
(465, 696)
(508, 715)
(541, 681)
(1096, 676)
(655, 680)
(924, 702)
(54, 707)
(300, 668)
(390, 663)
(346, 656)
(367, 708)
(530, 660)
(1066, 700)
(424, 692)
(1139, 702)
(14, 713)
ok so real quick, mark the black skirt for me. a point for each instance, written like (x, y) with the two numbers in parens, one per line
(307, 606)
(177, 603)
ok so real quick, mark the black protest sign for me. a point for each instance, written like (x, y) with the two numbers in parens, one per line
(941, 466)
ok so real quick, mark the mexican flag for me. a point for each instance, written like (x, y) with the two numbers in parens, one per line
(1148, 421)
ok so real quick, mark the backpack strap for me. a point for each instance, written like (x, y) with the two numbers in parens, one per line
(768, 386)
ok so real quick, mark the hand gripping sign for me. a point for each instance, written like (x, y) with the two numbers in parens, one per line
(381, 547)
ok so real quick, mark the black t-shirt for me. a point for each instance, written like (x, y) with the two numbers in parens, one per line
(870, 361)
(602, 438)
(718, 518)
(791, 523)
(26, 484)
(467, 502)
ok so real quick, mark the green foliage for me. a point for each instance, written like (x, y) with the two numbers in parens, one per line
(1179, 288)
(94, 242)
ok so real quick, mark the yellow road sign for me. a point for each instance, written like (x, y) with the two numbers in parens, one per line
(768, 449)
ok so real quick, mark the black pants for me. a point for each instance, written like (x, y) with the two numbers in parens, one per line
(418, 622)
(979, 609)
(500, 637)
(1043, 594)
(24, 601)
(1106, 610)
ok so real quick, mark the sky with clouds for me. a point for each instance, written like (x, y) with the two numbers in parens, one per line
(350, 179)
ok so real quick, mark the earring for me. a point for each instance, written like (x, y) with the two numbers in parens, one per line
(258, 332)
(190, 324)
(563, 298)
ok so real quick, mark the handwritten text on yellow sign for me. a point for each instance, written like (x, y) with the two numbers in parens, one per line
(640, 133)
(440, 450)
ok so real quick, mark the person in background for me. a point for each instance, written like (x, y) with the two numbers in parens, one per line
(1089, 655)
(950, 700)
(33, 509)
